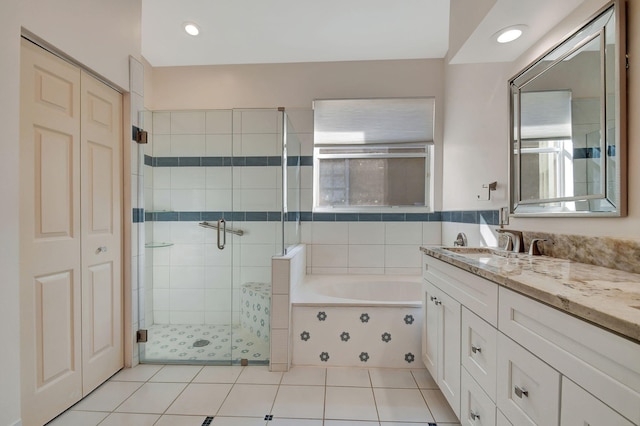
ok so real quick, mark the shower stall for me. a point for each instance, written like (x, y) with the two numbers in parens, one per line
(221, 196)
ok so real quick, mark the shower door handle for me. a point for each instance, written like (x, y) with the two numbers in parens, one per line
(222, 224)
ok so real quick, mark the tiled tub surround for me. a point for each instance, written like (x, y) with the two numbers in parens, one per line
(357, 321)
(606, 297)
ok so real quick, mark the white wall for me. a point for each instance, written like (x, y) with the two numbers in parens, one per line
(98, 34)
(9, 130)
(464, 17)
(476, 133)
(475, 136)
(291, 85)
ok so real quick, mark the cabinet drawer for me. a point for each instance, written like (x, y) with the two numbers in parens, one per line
(476, 408)
(580, 408)
(479, 344)
(476, 293)
(604, 364)
(529, 390)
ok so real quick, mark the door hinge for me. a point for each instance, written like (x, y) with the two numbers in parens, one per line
(141, 336)
(139, 135)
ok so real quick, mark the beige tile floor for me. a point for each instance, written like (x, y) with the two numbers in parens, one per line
(184, 395)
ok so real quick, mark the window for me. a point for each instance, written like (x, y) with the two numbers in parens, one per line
(373, 155)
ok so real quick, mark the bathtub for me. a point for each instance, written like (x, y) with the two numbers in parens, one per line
(360, 290)
(357, 320)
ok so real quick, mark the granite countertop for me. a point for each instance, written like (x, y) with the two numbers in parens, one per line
(607, 297)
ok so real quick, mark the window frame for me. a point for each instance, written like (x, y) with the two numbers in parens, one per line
(427, 154)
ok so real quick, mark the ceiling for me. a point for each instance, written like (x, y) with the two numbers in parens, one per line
(288, 31)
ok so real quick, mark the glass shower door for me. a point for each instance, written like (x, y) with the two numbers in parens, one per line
(213, 195)
(186, 304)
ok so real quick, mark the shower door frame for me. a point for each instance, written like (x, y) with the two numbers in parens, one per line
(233, 220)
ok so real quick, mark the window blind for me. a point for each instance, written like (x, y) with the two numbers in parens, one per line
(373, 121)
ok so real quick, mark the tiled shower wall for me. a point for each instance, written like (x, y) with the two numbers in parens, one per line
(190, 178)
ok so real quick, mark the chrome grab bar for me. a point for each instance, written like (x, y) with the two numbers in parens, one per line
(224, 236)
(233, 231)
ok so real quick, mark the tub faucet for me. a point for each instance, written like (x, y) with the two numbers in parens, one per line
(514, 240)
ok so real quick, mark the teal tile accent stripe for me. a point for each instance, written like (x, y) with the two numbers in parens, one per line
(488, 217)
(225, 161)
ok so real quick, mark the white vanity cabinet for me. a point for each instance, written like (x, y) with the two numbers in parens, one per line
(521, 362)
(441, 342)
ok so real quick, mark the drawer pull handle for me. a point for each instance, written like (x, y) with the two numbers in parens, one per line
(432, 298)
(102, 249)
(521, 391)
(437, 302)
(476, 349)
(474, 416)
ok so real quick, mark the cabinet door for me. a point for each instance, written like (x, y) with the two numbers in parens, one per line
(580, 408)
(528, 389)
(449, 350)
(441, 342)
(476, 408)
(430, 330)
(479, 342)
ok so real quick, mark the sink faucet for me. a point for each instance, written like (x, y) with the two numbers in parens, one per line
(461, 240)
(514, 240)
(534, 249)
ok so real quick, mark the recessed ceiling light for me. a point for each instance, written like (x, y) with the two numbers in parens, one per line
(191, 28)
(509, 34)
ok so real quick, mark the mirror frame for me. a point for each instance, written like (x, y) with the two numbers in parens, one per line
(517, 209)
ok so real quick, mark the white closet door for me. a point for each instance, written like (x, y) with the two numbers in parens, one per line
(50, 294)
(101, 223)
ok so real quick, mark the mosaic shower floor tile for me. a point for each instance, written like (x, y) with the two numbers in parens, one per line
(202, 343)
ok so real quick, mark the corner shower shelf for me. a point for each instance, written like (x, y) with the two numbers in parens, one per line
(157, 245)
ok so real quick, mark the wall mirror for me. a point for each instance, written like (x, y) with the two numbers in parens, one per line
(568, 127)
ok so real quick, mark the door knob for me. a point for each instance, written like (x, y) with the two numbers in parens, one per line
(101, 249)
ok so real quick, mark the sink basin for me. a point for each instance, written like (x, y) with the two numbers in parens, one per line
(481, 252)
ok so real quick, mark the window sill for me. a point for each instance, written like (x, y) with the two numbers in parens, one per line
(421, 209)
